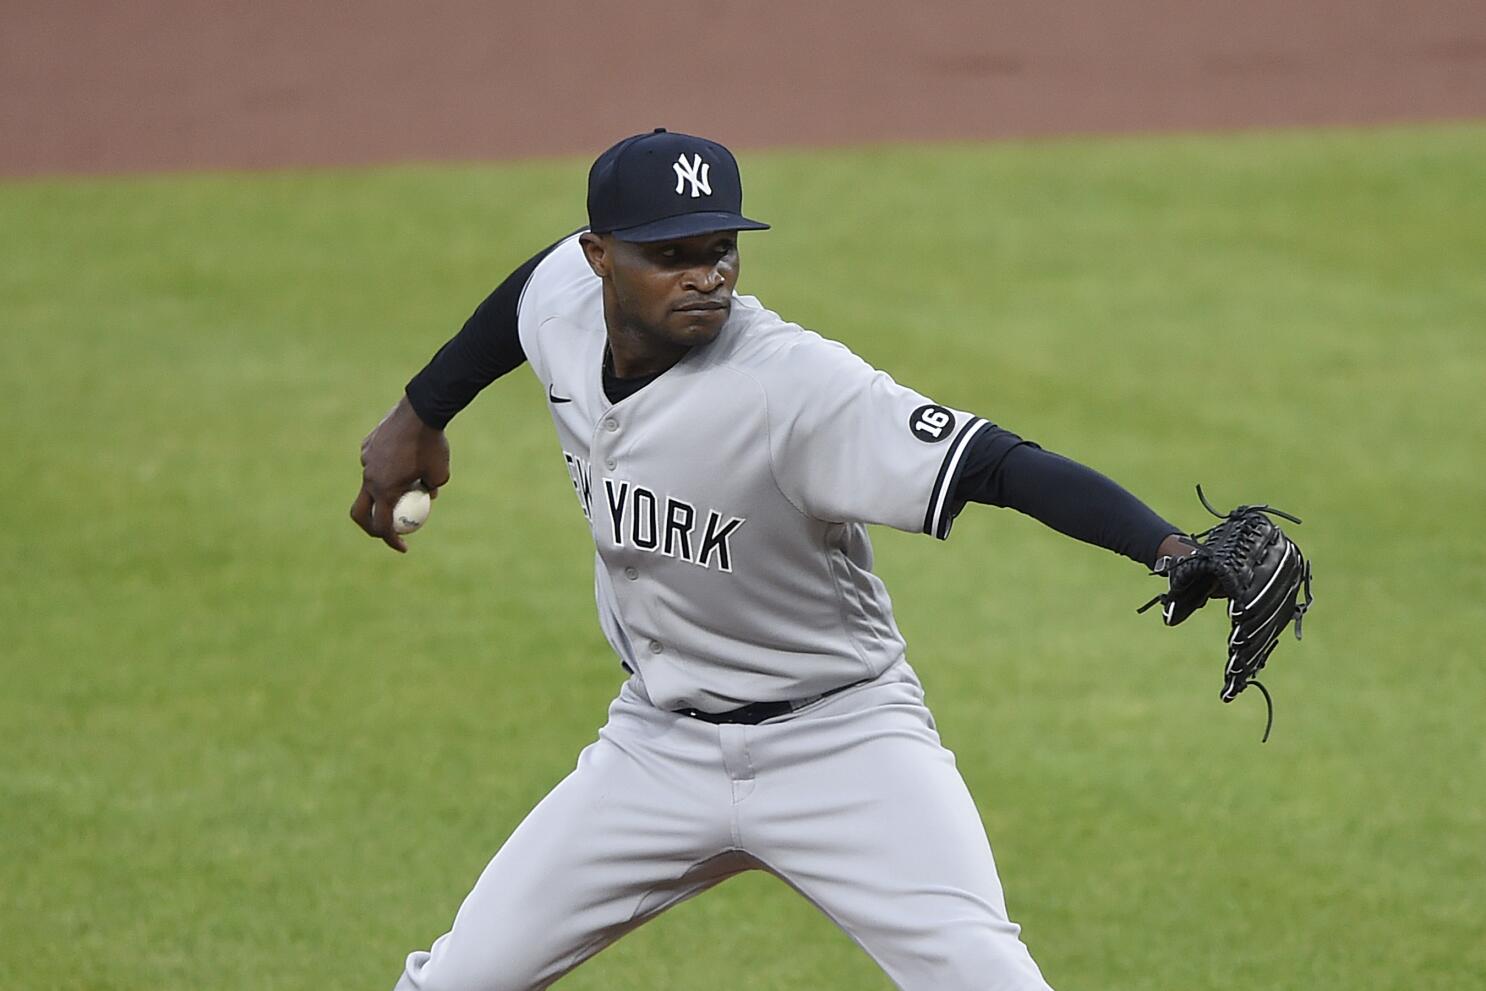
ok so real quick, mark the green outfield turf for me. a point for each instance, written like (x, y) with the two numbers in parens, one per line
(244, 747)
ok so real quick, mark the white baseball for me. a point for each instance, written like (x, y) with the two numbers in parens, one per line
(411, 510)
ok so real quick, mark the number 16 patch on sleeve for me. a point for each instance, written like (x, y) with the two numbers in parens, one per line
(932, 423)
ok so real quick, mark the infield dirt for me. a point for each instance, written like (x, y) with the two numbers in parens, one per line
(175, 84)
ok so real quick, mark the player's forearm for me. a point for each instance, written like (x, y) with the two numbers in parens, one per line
(1069, 497)
(487, 347)
(455, 375)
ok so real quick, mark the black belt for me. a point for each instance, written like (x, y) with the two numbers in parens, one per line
(757, 712)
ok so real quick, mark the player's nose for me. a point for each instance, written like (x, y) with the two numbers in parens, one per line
(704, 279)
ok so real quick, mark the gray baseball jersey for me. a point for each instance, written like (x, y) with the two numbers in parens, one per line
(727, 499)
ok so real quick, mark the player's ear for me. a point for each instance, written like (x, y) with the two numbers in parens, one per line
(596, 250)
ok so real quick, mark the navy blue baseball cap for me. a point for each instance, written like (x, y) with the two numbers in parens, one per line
(663, 185)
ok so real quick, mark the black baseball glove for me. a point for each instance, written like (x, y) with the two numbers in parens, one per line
(1248, 560)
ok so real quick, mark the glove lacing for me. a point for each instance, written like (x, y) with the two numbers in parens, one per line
(1268, 709)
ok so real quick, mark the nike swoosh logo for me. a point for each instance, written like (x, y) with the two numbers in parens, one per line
(555, 397)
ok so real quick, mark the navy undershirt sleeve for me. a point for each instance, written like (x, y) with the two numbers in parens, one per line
(1002, 469)
(487, 347)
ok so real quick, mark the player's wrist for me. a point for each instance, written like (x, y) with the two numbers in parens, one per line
(1176, 545)
(423, 408)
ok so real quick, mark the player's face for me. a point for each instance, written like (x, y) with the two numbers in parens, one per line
(668, 294)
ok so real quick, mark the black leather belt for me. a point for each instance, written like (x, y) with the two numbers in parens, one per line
(757, 712)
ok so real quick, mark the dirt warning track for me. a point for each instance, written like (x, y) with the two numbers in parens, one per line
(175, 84)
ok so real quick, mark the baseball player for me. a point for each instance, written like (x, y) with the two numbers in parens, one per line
(726, 463)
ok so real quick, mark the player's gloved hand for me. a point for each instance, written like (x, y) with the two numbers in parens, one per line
(400, 451)
(1248, 560)
(1190, 572)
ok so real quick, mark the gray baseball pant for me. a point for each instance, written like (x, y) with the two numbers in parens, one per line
(852, 801)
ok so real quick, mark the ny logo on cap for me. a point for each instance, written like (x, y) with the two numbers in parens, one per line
(694, 172)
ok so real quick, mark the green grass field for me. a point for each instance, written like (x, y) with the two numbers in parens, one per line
(244, 747)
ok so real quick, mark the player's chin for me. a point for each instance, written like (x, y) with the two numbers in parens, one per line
(698, 326)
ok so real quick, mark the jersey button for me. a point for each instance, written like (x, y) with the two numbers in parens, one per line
(609, 463)
(655, 647)
(632, 573)
(611, 424)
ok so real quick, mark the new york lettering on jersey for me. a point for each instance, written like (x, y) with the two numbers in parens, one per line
(638, 517)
